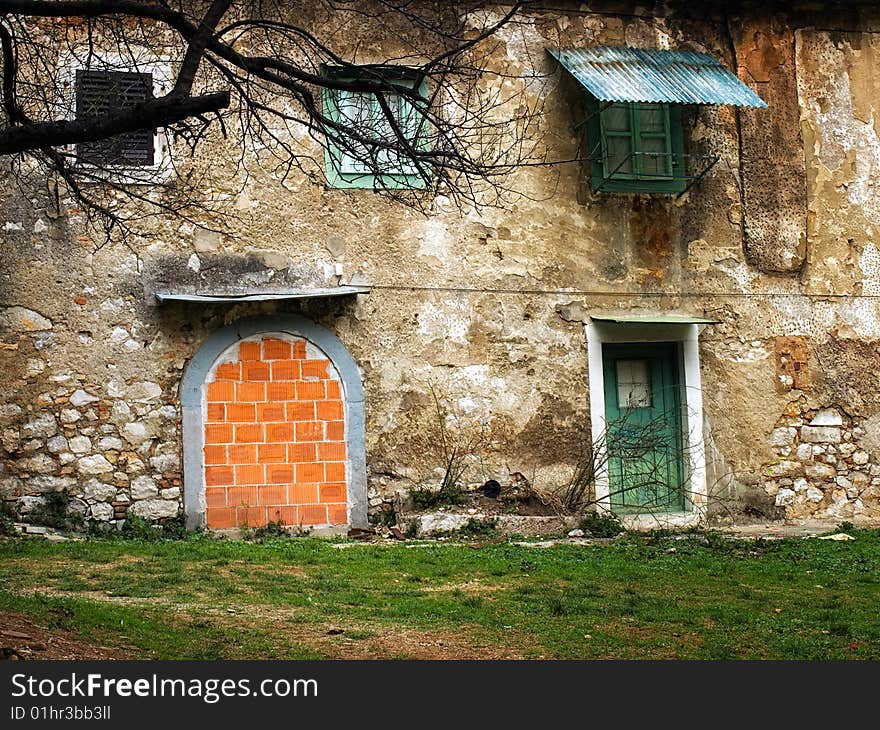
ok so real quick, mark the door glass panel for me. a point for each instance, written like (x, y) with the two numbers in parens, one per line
(634, 384)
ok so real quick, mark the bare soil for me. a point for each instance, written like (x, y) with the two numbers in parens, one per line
(21, 638)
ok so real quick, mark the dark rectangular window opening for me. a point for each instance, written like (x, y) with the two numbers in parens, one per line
(100, 92)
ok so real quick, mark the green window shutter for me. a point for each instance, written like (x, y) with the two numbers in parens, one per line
(653, 142)
(357, 164)
(635, 148)
(355, 109)
(618, 142)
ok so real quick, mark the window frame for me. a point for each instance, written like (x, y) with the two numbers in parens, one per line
(603, 180)
(333, 156)
(122, 161)
(139, 60)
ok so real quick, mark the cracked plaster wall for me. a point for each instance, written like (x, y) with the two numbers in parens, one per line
(93, 367)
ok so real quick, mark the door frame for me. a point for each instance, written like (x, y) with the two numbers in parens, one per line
(193, 417)
(685, 335)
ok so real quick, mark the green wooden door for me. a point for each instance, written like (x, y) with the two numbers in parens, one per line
(643, 431)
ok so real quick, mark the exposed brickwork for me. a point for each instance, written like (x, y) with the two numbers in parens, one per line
(274, 439)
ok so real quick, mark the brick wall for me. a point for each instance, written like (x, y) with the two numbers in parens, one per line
(274, 437)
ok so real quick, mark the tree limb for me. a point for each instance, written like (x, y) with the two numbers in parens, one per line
(160, 112)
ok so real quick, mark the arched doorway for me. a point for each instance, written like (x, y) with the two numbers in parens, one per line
(273, 428)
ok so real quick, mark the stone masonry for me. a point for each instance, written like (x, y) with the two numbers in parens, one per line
(822, 469)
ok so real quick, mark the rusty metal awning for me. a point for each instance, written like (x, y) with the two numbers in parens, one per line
(217, 297)
(664, 318)
(655, 76)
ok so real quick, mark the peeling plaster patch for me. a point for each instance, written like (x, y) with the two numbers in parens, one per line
(862, 319)
(869, 263)
(435, 241)
(451, 321)
(841, 137)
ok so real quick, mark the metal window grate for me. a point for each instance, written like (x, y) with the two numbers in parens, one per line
(98, 92)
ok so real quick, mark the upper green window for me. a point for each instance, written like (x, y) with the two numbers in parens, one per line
(355, 163)
(635, 147)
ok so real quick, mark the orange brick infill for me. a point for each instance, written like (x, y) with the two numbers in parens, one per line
(279, 432)
(215, 497)
(254, 371)
(303, 493)
(271, 412)
(279, 474)
(249, 351)
(309, 431)
(243, 454)
(285, 370)
(221, 518)
(313, 514)
(310, 390)
(221, 390)
(332, 492)
(273, 453)
(241, 412)
(309, 473)
(337, 514)
(250, 474)
(327, 410)
(335, 431)
(281, 391)
(275, 349)
(228, 371)
(215, 454)
(249, 433)
(274, 494)
(251, 516)
(334, 472)
(298, 453)
(236, 496)
(250, 392)
(301, 410)
(219, 476)
(331, 451)
(274, 439)
(316, 369)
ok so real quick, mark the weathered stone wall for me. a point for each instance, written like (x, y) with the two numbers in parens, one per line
(486, 307)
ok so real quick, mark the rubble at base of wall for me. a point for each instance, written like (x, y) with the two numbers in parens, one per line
(432, 524)
(822, 470)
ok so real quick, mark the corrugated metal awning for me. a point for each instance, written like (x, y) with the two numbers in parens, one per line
(665, 318)
(655, 76)
(214, 298)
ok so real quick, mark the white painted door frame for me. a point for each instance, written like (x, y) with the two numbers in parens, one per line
(598, 333)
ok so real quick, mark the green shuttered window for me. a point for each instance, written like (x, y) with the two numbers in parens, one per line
(359, 164)
(636, 148)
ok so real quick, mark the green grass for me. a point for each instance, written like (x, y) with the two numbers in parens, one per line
(700, 597)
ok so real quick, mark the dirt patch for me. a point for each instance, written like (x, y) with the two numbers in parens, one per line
(21, 638)
(412, 644)
(471, 588)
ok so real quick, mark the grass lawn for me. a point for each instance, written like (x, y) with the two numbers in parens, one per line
(640, 597)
